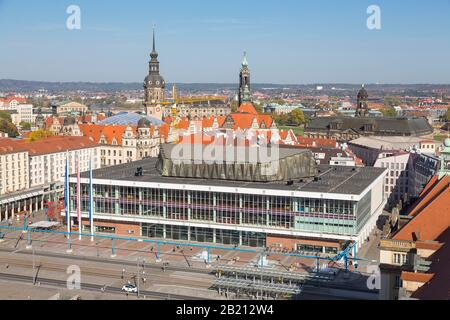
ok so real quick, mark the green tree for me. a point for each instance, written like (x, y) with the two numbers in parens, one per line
(258, 107)
(389, 112)
(392, 101)
(9, 128)
(297, 117)
(234, 106)
(5, 116)
(447, 115)
(25, 125)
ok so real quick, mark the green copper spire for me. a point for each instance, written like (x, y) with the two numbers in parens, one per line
(245, 61)
(246, 96)
(445, 160)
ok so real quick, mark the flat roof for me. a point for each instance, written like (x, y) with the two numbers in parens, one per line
(330, 179)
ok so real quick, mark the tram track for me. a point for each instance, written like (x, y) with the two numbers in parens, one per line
(102, 272)
(95, 287)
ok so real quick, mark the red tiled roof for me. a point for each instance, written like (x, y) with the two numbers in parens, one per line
(8, 146)
(431, 213)
(48, 145)
(416, 277)
(431, 191)
(109, 132)
(247, 107)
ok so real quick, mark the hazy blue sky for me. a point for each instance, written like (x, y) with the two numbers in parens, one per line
(288, 41)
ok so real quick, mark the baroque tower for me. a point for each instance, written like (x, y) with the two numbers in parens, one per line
(362, 108)
(154, 86)
(244, 81)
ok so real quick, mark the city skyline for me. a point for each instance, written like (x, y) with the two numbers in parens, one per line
(287, 43)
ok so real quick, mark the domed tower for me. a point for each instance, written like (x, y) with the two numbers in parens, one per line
(362, 108)
(154, 86)
(143, 127)
(244, 81)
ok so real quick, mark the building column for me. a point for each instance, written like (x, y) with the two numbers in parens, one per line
(6, 213)
(164, 232)
(12, 211)
(140, 199)
(117, 197)
(240, 238)
(189, 208)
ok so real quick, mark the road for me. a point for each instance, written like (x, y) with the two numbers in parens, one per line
(105, 275)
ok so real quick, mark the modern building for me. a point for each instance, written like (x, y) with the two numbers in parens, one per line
(290, 203)
(398, 155)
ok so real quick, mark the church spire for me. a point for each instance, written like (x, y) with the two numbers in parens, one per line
(154, 54)
(245, 61)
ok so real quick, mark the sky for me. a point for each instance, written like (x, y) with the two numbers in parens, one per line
(288, 41)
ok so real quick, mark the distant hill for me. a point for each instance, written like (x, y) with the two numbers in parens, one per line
(59, 87)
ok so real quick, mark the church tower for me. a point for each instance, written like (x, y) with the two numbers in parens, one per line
(244, 81)
(362, 108)
(154, 86)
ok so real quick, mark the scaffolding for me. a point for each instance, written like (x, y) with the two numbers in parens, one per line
(255, 289)
(264, 282)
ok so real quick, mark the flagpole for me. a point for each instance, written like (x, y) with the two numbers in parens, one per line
(67, 196)
(78, 197)
(91, 201)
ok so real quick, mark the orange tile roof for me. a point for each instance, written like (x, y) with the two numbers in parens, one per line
(247, 107)
(431, 215)
(55, 144)
(8, 146)
(109, 132)
(416, 277)
(432, 189)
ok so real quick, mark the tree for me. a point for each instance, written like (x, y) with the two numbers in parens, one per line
(281, 119)
(9, 128)
(39, 135)
(447, 115)
(5, 116)
(25, 125)
(258, 107)
(297, 117)
(234, 106)
(392, 101)
(389, 112)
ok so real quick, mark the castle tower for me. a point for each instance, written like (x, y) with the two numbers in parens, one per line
(154, 86)
(244, 81)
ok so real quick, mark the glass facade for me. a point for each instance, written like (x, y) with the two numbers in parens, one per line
(227, 209)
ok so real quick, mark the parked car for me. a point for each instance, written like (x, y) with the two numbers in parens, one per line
(129, 288)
